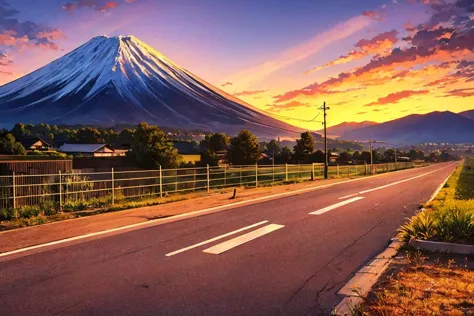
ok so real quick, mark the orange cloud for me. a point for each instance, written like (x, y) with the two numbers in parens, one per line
(379, 44)
(248, 93)
(461, 93)
(397, 96)
(286, 106)
(226, 84)
(98, 5)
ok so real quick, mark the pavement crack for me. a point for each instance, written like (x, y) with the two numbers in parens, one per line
(331, 261)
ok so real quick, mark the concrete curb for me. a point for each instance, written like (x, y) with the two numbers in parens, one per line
(445, 247)
(363, 281)
(357, 288)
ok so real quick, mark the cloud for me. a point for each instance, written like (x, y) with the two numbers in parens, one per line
(248, 93)
(97, 5)
(20, 34)
(302, 51)
(361, 113)
(286, 106)
(228, 83)
(377, 16)
(380, 44)
(461, 93)
(5, 60)
(397, 96)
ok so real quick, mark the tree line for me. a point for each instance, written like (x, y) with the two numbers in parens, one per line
(150, 147)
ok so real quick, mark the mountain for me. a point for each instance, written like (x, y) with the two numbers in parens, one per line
(121, 80)
(346, 127)
(446, 127)
(469, 114)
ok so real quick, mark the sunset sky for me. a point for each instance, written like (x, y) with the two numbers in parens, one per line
(369, 60)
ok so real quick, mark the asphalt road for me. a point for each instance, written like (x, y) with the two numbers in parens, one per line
(293, 264)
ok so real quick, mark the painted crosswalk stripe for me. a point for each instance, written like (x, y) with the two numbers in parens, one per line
(227, 245)
(215, 238)
(332, 207)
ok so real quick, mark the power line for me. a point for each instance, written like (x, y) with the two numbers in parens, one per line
(298, 119)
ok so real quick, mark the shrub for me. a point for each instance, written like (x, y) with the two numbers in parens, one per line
(28, 211)
(455, 224)
(7, 214)
(421, 226)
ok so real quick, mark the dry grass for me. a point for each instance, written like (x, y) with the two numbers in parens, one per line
(419, 286)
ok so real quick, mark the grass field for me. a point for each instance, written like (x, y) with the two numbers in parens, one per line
(191, 158)
(465, 185)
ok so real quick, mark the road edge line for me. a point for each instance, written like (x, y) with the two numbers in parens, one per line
(348, 303)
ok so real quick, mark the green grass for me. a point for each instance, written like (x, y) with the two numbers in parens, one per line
(465, 184)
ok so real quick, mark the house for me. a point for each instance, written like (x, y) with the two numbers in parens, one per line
(91, 150)
(333, 157)
(35, 143)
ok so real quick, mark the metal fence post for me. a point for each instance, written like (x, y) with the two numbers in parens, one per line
(161, 183)
(240, 172)
(256, 175)
(225, 176)
(60, 192)
(14, 191)
(337, 168)
(113, 187)
(313, 176)
(208, 180)
(286, 172)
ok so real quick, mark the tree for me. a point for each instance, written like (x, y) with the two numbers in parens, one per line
(318, 156)
(284, 156)
(344, 157)
(125, 138)
(356, 155)
(304, 148)
(212, 144)
(413, 154)
(389, 155)
(9, 146)
(151, 148)
(365, 156)
(215, 142)
(89, 135)
(421, 155)
(273, 147)
(244, 149)
(18, 131)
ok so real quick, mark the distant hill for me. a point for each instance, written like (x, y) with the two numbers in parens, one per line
(447, 127)
(346, 127)
(469, 114)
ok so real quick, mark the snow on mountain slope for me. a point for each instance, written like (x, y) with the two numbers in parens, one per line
(121, 80)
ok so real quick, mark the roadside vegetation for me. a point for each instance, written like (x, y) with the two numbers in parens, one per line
(423, 284)
(450, 216)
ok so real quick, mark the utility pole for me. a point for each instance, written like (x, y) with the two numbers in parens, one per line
(371, 157)
(326, 164)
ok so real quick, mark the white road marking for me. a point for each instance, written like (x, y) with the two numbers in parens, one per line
(188, 215)
(214, 239)
(332, 207)
(348, 196)
(398, 182)
(227, 245)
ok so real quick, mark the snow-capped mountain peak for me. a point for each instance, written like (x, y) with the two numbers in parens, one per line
(111, 80)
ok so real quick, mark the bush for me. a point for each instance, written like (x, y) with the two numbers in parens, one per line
(454, 222)
(421, 226)
(7, 214)
(28, 211)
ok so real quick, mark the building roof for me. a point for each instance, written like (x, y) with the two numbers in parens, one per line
(30, 140)
(81, 148)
